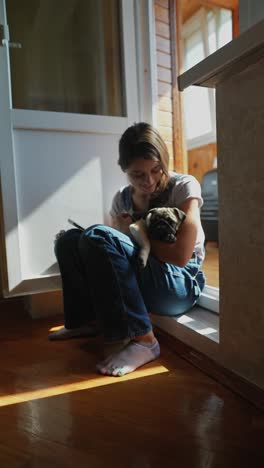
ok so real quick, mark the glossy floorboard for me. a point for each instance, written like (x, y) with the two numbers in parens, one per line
(56, 411)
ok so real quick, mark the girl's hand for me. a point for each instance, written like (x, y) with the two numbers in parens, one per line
(122, 222)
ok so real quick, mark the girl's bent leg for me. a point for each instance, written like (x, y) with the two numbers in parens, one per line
(167, 290)
(119, 301)
(78, 306)
(109, 259)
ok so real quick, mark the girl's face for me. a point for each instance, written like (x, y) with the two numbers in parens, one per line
(144, 174)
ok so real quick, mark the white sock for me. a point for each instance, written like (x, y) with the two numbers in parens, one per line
(114, 347)
(132, 356)
(67, 333)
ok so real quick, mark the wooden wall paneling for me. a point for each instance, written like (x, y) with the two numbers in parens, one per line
(165, 104)
(235, 17)
(189, 7)
(162, 29)
(201, 160)
(168, 48)
(229, 4)
(166, 133)
(163, 3)
(163, 45)
(211, 264)
(170, 149)
(180, 154)
(165, 118)
(164, 89)
(162, 12)
(164, 74)
(163, 60)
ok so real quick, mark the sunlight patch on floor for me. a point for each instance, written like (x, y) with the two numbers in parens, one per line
(53, 329)
(93, 382)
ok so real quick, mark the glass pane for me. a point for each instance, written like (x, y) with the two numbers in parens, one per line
(211, 24)
(199, 125)
(71, 57)
(197, 112)
(225, 27)
(194, 49)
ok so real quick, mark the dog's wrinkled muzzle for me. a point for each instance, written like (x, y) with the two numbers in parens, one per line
(162, 230)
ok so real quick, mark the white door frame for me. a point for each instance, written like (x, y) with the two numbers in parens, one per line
(26, 119)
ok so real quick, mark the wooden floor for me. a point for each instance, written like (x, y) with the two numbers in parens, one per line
(56, 411)
(211, 264)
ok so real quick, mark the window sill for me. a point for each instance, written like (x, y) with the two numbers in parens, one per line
(209, 299)
(201, 141)
(198, 320)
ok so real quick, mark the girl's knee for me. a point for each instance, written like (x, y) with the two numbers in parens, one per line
(97, 232)
(66, 240)
(96, 228)
(107, 239)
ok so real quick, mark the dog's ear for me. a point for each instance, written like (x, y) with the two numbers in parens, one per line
(179, 214)
(148, 217)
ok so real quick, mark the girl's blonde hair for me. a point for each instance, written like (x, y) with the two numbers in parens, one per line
(142, 140)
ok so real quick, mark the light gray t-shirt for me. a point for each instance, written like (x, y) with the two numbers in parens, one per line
(181, 188)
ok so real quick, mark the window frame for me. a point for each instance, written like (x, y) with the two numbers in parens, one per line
(209, 299)
(94, 123)
(198, 22)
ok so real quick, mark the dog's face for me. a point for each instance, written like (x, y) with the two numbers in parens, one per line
(163, 223)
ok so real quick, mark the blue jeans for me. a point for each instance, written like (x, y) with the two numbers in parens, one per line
(102, 280)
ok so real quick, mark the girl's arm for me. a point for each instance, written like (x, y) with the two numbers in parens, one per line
(180, 252)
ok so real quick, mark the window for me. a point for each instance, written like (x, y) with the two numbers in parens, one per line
(204, 33)
(71, 59)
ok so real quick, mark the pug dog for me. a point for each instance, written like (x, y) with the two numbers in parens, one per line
(159, 224)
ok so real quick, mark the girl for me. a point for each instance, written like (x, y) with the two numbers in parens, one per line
(101, 278)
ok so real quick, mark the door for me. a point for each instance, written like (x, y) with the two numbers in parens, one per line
(68, 89)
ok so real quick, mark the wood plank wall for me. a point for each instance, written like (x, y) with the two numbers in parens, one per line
(201, 160)
(164, 75)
